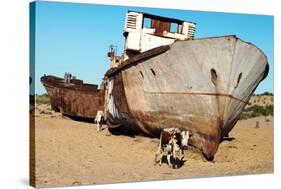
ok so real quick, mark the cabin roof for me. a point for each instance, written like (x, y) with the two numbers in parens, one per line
(161, 18)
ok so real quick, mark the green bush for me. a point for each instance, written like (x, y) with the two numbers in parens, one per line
(269, 109)
(267, 93)
(46, 112)
(43, 99)
(245, 115)
(264, 93)
(257, 110)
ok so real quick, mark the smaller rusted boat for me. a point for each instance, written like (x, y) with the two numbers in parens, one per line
(72, 97)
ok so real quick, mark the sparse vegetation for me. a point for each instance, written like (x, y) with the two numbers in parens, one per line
(264, 94)
(260, 105)
(257, 110)
(43, 99)
(46, 112)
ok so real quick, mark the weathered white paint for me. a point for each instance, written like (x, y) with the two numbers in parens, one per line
(111, 107)
(140, 39)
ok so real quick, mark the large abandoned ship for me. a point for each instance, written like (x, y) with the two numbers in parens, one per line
(72, 97)
(166, 78)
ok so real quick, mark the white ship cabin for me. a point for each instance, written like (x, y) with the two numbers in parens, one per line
(145, 31)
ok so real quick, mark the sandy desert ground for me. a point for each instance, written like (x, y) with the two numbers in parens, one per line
(70, 152)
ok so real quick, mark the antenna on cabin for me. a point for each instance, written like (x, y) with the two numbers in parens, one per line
(112, 51)
(112, 54)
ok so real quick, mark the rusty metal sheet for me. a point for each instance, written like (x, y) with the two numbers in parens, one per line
(160, 26)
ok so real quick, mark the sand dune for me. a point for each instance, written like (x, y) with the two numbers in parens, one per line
(69, 152)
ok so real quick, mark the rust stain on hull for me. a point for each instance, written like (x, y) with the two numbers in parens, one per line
(74, 99)
(205, 138)
(200, 93)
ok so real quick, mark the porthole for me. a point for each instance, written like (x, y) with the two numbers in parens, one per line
(214, 76)
(141, 74)
(238, 80)
(153, 72)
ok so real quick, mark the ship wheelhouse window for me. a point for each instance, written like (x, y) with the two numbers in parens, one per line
(141, 74)
(174, 28)
(153, 72)
(146, 23)
(214, 76)
(238, 80)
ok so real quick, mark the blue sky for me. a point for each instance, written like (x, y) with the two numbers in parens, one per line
(72, 37)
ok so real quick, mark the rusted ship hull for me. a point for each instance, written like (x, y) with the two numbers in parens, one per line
(199, 85)
(75, 99)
